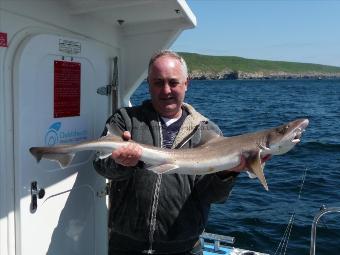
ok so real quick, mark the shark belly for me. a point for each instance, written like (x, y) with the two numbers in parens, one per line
(208, 165)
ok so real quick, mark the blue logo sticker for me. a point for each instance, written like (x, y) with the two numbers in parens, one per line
(55, 135)
(51, 137)
(56, 126)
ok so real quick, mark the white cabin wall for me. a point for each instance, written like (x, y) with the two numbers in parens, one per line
(7, 240)
(20, 20)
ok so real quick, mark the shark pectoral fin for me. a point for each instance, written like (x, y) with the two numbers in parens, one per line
(255, 166)
(161, 169)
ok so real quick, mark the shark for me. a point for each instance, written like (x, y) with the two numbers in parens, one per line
(217, 153)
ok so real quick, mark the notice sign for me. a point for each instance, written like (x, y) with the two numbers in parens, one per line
(3, 40)
(69, 47)
(66, 89)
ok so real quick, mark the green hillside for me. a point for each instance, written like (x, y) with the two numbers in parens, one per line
(216, 64)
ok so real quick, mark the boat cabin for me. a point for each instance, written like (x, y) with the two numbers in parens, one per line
(64, 67)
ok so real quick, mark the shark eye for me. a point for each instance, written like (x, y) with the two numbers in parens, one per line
(282, 130)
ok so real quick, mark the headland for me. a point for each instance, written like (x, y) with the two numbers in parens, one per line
(205, 67)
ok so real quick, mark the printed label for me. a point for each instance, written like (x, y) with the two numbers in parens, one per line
(69, 47)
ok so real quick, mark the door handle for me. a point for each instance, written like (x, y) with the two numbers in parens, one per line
(35, 194)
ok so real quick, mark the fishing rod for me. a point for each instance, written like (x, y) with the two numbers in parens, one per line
(282, 247)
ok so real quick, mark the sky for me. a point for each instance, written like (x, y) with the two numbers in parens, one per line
(306, 31)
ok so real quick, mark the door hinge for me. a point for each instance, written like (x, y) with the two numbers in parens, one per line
(105, 90)
(111, 89)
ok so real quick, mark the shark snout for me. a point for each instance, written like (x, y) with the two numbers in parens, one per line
(304, 124)
(299, 130)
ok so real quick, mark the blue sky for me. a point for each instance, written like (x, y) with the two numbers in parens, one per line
(305, 31)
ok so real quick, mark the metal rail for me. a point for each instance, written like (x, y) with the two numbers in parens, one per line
(315, 222)
(216, 239)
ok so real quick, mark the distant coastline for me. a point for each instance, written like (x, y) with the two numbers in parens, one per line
(239, 75)
(204, 67)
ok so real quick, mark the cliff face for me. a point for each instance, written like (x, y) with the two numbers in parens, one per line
(208, 75)
(240, 75)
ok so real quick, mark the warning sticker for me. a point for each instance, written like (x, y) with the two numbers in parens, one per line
(3, 40)
(66, 89)
(69, 47)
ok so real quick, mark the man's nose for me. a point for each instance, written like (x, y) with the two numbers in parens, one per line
(166, 89)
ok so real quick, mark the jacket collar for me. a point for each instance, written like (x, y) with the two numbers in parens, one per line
(191, 122)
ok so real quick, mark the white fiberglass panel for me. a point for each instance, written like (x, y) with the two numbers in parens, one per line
(70, 218)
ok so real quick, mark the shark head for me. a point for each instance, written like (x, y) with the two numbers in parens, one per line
(283, 138)
(275, 141)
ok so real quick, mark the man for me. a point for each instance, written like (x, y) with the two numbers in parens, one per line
(163, 214)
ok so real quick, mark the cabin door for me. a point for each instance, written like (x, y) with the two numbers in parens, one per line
(59, 211)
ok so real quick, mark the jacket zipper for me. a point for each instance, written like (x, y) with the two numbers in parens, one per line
(154, 207)
(153, 216)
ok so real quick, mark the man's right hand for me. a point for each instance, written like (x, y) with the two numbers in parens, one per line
(128, 155)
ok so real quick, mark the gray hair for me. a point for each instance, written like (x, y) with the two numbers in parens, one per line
(170, 54)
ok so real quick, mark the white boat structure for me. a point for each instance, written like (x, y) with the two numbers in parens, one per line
(64, 63)
(64, 67)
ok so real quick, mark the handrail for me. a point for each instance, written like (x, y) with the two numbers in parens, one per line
(216, 239)
(315, 222)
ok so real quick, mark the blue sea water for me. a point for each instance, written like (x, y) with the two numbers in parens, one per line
(255, 217)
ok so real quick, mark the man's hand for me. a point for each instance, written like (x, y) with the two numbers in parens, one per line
(128, 155)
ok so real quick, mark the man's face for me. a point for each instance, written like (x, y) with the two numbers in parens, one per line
(167, 86)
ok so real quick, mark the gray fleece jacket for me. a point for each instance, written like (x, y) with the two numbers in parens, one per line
(183, 201)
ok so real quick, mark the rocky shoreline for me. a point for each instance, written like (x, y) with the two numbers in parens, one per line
(240, 75)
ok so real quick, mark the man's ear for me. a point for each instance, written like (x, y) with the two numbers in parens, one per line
(187, 84)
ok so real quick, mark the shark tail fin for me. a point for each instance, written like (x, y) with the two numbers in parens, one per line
(256, 168)
(64, 159)
(36, 152)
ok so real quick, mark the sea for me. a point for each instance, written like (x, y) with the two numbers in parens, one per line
(301, 182)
